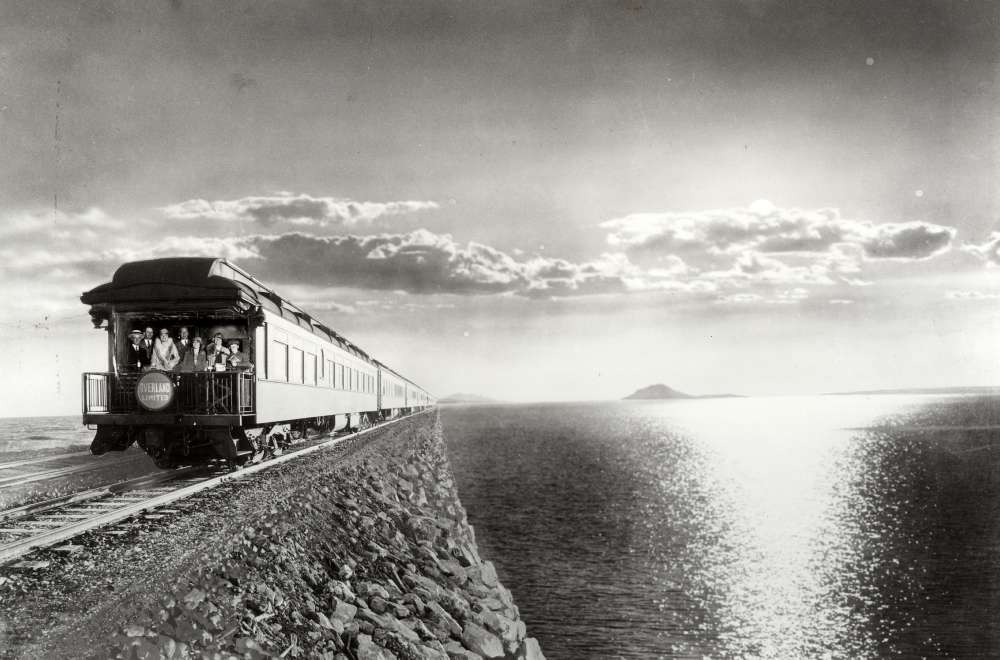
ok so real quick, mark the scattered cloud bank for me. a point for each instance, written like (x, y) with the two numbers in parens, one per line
(764, 246)
(285, 208)
(760, 254)
(710, 236)
(424, 262)
(988, 251)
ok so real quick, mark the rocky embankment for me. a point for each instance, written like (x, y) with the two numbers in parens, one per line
(361, 556)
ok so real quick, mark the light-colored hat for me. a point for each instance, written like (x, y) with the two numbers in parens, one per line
(135, 332)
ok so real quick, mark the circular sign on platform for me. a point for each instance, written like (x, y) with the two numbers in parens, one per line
(154, 390)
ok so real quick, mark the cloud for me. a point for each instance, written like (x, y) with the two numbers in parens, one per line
(291, 209)
(423, 262)
(972, 295)
(64, 261)
(988, 251)
(906, 241)
(760, 254)
(783, 297)
(709, 238)
(56, 225)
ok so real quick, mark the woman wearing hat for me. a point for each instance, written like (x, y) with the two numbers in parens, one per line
(165, 355)
(217, 353)
(237, 359)
(194, 358)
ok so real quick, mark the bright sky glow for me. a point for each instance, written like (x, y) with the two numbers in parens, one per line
(527, 201)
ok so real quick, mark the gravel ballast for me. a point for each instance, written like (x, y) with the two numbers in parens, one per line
(362, 551)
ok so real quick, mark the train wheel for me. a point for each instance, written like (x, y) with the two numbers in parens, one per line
(275, 445)
(256, 439)
(164, 460)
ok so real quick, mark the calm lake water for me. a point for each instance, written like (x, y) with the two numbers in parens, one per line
(43, 433)
(800, 527)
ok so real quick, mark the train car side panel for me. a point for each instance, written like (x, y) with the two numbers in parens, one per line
(304, 376)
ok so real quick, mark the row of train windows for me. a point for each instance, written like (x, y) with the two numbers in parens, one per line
(293, 365)
(395, 390)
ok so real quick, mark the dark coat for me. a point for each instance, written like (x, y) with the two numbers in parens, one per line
(219, 356)
(135, 357)
(193, 361)
(147, 351)
(181, 351)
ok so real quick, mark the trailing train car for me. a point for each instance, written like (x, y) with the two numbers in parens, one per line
(284, 375)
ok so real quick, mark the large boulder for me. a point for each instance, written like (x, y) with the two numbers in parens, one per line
(439, 614)
(530, 650)
(488, 574)
(478, 639)
(369, 650)
(458, 652)
(389, 623)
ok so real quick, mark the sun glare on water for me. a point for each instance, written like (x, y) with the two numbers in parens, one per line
(778, 521)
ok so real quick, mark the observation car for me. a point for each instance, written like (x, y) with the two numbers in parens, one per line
(298, 375)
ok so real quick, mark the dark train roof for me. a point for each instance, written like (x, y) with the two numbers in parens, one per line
(199, 283)
(205, 284)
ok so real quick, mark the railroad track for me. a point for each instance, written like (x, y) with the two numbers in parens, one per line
(54, 473)
(48, 523)
(44, 459)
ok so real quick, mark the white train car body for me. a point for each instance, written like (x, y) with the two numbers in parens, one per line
(298, 373)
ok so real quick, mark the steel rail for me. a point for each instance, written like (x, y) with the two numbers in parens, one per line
(20, 547)
(43, 459)
(21, 479)
(94, 493)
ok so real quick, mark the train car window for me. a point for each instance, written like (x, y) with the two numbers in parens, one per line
(277, 361)
(340, 376)
(310, 369)
(295, 365)
(330, 372)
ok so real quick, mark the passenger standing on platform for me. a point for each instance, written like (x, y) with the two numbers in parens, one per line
(147, 348)
(183, 345)
(135, 356)
(217, 353)
(237, 359)
(164, 352)
(194, 358)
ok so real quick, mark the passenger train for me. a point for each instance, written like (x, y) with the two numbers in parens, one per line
(301, 376)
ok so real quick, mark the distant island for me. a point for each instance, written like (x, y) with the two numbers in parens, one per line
(661, 391)
(461, 397)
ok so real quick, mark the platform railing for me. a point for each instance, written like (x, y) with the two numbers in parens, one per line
(194, 393)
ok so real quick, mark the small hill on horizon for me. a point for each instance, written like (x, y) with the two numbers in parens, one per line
(661, 391)
(463, 397)
(658, 391)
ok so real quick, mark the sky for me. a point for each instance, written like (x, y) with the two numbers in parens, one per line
(528, 201)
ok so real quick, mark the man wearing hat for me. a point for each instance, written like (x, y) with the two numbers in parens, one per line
(183, 345)
(135, 357)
